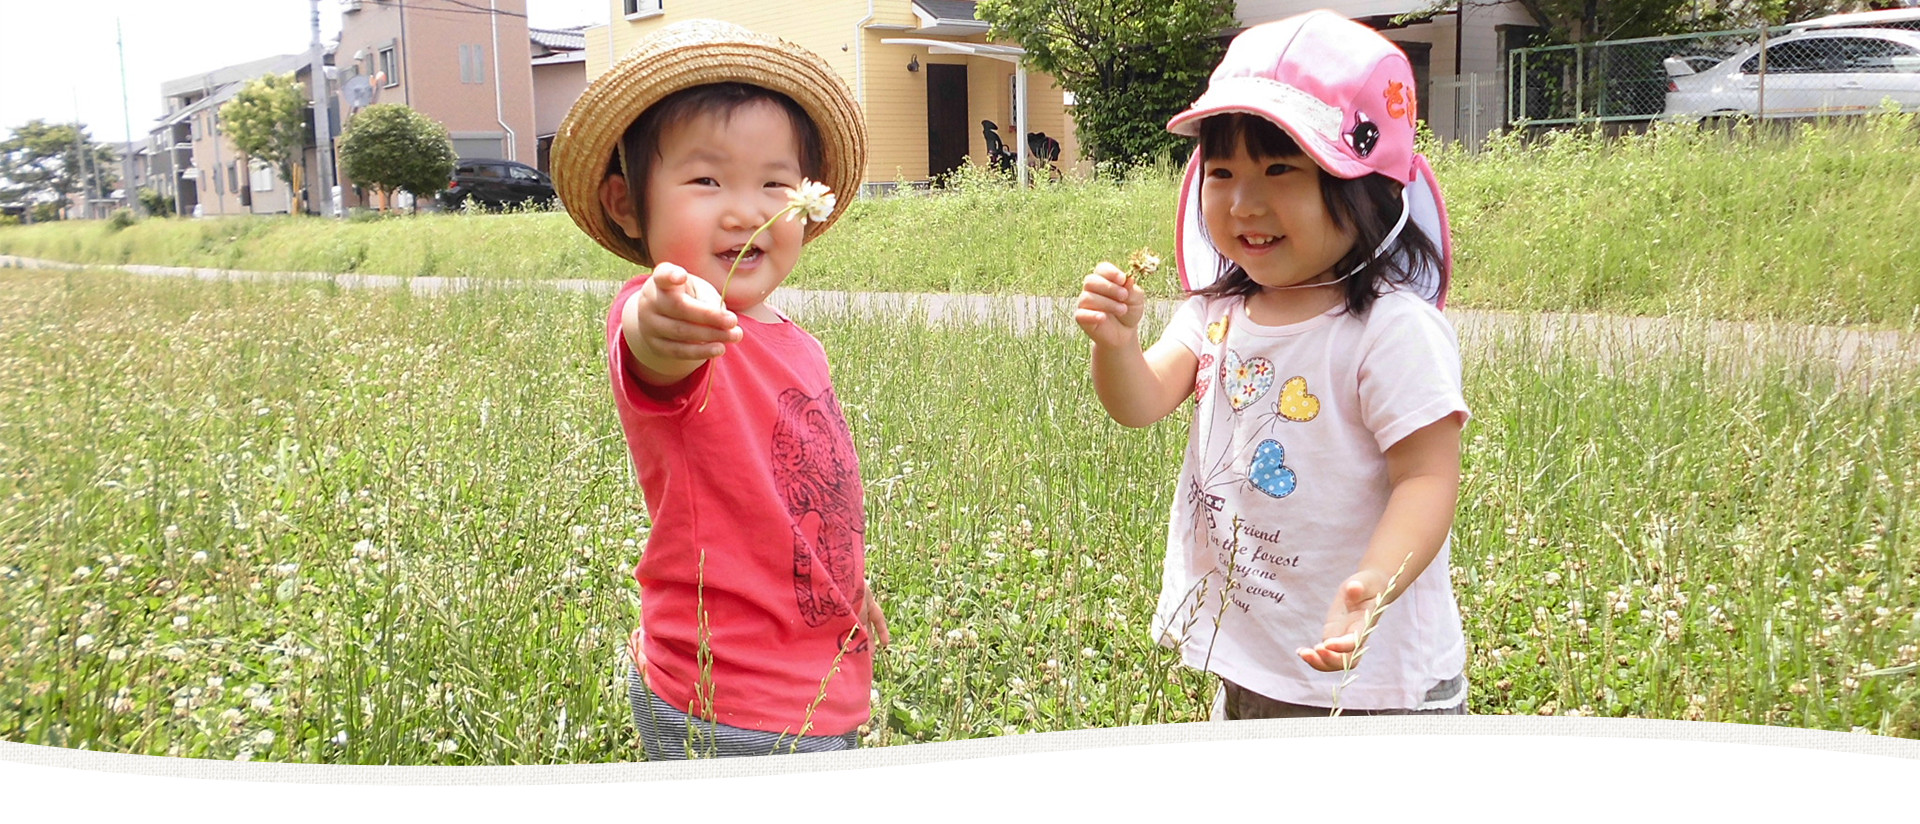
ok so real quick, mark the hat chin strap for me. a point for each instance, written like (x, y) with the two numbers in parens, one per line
(1399, 225)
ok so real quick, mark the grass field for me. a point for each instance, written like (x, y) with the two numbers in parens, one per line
(1802, 226)
(296, 523)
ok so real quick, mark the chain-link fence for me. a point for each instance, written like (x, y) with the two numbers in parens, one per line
(1465, 107)
(1780, 72)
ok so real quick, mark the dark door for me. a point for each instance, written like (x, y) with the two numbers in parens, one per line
(946, 118)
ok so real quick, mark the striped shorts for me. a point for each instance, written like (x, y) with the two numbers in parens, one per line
(667, 734)
(1236, 702)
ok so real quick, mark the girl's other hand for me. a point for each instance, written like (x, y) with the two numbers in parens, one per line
(874, 620)
(1347, 619)
(1110, 307)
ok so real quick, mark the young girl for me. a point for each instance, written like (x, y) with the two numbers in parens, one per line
(691, 156)
(1323, 464)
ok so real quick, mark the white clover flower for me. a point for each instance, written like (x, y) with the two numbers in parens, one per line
(82, 572)
(449, 746)
(812, 201)
(180, 621)
(83, 642)
(264, 738)
(200, 557)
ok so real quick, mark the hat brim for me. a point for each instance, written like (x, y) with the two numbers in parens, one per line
(1200, 263)
(1311, 122)
(682, 56)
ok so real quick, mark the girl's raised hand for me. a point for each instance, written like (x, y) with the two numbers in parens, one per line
(675, 323)
(1110, 307)
(680, 317)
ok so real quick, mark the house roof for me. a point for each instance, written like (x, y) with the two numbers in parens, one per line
(280, 64)
(948, 17)
(573, 39)
(948, 9)
(222, 92)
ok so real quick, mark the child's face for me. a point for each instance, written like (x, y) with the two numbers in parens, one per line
(717, 179)
(1267, 215)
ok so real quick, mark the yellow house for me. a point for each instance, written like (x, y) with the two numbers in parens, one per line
(925, 94)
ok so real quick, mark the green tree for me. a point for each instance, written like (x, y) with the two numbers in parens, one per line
(1587, 21)
(1131, 65)
(389, 147)
(44, 160)
(268, 120)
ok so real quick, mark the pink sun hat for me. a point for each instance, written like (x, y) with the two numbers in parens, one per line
(1346, 95)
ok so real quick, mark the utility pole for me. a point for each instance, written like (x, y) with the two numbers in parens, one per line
(126, 118)
(82, 148)
(322, 123)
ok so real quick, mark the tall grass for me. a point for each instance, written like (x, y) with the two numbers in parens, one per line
(1744, 223)
(279, 521)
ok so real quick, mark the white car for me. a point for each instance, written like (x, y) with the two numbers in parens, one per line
(1810, 72)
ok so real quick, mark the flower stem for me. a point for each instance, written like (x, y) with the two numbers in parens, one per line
(729, 281)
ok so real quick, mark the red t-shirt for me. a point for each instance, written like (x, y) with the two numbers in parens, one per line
(766, 482)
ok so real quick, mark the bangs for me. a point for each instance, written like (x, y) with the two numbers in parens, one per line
(1221, 134)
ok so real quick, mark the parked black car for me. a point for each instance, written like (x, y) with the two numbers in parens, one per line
(495, 184)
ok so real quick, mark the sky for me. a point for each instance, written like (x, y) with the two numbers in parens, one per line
(59, 57)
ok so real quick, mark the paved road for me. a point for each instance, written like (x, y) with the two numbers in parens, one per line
(1856, 354)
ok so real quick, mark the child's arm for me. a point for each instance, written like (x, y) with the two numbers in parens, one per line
(673, 324)
(1137, 389)
(1424, 471)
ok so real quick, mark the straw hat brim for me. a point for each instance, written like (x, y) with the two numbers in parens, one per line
(697, 53)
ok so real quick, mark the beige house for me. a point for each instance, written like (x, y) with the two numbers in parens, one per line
(559, 76)
(191, 162)
(463, 63)
(924, 103)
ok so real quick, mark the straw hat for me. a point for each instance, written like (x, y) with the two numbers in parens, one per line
(696, 53)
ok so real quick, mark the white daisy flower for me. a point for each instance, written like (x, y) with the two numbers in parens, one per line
(812, 201)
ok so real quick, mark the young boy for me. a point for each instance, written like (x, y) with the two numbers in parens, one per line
(758, 626)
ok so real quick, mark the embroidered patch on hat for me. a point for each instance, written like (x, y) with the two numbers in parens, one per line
(1363, 136)
(1399, 103)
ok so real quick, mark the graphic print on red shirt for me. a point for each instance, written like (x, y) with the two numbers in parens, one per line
(814, 466)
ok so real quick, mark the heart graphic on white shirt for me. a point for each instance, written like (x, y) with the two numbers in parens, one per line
(1269, 472)
(1203, 378)
(1245, 381)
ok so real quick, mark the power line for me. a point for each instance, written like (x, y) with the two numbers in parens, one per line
(467, 8)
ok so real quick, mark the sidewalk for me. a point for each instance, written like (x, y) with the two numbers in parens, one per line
(1853, 353)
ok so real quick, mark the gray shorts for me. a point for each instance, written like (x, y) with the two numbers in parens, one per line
(667, 734)
(1446, 698)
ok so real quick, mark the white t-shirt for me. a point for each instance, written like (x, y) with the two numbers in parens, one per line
(1289, 437)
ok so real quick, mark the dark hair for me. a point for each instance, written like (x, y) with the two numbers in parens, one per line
(1369, 206)
(642, 139)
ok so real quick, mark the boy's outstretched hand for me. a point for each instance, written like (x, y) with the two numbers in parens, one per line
(675, 323)
(1110, 307)
(1347, 619)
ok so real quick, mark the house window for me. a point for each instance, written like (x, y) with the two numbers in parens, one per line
(644, 8)
(473, 64)
(262, 175)
(390, 67)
